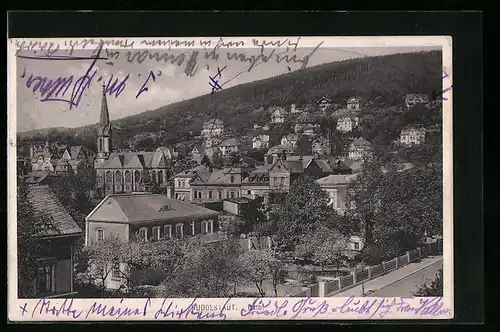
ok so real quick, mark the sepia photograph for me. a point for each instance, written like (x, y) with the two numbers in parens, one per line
(230, 168)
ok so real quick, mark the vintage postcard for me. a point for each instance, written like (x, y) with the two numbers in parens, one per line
(250, 178)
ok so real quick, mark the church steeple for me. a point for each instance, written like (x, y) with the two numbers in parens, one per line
(104, 130)
(104, 123)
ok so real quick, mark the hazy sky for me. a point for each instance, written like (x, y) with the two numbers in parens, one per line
(171, 84)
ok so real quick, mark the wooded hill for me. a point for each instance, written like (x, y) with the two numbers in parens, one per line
(380, 81)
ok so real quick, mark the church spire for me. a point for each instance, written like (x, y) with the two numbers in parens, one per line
(104, 123)
(104, 108)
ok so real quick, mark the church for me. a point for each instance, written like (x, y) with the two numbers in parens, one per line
(125, 172)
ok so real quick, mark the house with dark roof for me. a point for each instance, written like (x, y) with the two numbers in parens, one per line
(277, 152)
(141, 217)
(283, 173)
(55, 263)
(359, 149)
(323, 103)
(321, 146)
(256, 184)
(122, 172)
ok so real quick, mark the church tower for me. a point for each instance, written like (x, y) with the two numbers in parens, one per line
(104, 132)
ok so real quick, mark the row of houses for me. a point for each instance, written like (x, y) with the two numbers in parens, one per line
(205, 185)
(60, 158)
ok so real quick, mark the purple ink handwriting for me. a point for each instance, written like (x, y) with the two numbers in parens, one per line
(292, 308)
(144, 88)
(57, 89)
(103, 310)
(445, 75)
(263, 307)
(214, 81)
(193, 311)
(46, 307)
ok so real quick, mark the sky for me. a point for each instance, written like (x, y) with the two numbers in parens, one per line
(170, 84)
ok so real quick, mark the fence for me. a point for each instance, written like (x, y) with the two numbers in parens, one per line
(337, 285)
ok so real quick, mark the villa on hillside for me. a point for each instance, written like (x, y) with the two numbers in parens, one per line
(229, 146)
(353, 104)
(413, 99)
(278, 114)
(290, 140)
(260, 142)
(412, 136)
(347, 123)
(360, 149)
(213, 127)
(323, 103)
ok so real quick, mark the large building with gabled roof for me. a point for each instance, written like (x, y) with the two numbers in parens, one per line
(124, 172)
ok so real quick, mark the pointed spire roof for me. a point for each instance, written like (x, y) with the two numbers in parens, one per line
(104, 123)
(104, 108)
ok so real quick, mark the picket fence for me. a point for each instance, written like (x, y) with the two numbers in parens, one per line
(337, 285)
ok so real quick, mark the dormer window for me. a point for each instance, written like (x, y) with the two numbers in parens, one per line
(232, 178)
(166, 207)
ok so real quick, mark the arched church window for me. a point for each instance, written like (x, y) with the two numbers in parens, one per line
(128, 181)
(118, 181)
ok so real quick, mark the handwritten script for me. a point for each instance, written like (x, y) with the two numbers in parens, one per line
(262, 308)
(69, 89)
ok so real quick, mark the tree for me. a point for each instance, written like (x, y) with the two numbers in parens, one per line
(205, 161)
(30, 223)
(431, 288)
(255, 218)
(217, 161)
(101, 257)
(277, 272)
(305, 208)
(210, 270)
(304, 146)
(393, 209)
(256, 263)
(146, 144)
(325, 247)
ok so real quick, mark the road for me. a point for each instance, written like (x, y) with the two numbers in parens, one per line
(405, 286)
(403, 280)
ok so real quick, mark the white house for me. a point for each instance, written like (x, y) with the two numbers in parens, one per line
(213, 127)
(413, 99)
(229, 146)
(353, 103)
(278, 114)
(290, 140)
(412, 136)
(260, 142)
(347, 123)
